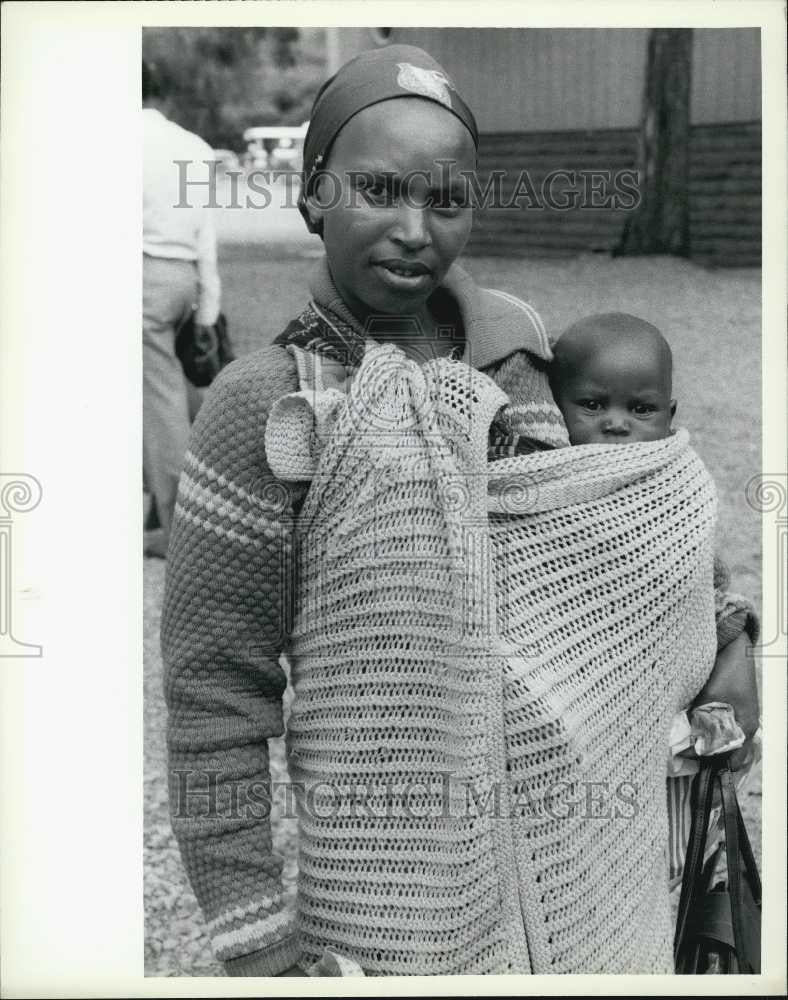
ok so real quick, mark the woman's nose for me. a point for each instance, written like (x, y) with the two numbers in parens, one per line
(412, 229)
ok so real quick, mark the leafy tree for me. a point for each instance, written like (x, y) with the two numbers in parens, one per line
(224, 80)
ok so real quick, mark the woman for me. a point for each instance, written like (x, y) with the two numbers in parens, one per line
(393, 220)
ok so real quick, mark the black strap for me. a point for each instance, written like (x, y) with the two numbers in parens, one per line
(700, 803)
(742, 875)
(738, 849)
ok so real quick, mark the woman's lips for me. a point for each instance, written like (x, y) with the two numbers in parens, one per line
(403, 275)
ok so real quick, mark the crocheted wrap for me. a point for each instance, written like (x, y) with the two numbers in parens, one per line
(605, 588)
(486, 662)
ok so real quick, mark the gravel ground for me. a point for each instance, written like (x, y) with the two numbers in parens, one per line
(712, 320)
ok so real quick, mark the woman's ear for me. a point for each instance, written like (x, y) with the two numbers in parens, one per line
(314, 209)
(311, 211)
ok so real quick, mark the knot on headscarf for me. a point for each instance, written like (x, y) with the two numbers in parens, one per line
(371, 77)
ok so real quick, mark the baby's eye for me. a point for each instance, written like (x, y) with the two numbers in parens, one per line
(593, 405)
(643, 409)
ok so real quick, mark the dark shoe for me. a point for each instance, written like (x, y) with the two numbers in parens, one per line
(152, 521)
(155, 545)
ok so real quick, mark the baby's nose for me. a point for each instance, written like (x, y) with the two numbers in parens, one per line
(616, 424)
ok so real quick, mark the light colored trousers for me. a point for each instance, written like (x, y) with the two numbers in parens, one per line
(169, 402)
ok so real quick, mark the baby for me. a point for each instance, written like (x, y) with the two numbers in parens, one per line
(611, 378)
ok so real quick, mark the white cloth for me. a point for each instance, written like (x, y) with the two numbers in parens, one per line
(171, 229)
(684, 734)
(682, 770)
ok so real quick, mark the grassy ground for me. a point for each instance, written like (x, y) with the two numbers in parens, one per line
(712, 320)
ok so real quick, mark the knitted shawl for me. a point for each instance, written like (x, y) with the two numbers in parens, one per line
(603, 559)
(486, 661)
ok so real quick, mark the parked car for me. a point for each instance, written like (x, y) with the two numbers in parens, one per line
(256, 156)
(275, 147)
(285, 155)
(227, 159)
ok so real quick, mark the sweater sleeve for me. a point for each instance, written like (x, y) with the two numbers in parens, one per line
(734, 613)
(531, 413)
(223, 629)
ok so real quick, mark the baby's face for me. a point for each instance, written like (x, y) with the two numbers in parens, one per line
(618, 395)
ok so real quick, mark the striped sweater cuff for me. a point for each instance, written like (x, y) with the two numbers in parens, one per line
(736, 615)
(271, 961)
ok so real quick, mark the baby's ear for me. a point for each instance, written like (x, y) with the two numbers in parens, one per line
(672, 408)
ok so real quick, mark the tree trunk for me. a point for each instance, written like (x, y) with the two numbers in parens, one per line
(661, 223)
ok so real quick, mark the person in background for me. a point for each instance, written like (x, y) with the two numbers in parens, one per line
(178, 274)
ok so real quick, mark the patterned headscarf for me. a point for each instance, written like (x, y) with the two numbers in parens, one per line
(371, 77)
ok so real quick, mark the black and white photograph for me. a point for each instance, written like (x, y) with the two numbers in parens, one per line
(462, 544)
(522, 241)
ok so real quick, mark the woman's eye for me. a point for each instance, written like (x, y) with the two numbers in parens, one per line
(447, 202)
(379, 193)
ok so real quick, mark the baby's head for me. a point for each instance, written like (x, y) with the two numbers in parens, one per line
(611, 378)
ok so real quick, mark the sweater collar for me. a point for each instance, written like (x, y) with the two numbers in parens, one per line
(496, 324)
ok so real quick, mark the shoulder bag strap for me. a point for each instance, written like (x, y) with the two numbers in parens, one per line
(738, 851)
(702, 791)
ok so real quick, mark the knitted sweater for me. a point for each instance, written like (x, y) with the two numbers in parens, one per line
(226, 619)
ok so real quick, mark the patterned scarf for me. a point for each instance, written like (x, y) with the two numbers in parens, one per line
(529, 422)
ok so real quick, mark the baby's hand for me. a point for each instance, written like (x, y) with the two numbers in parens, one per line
(733, 681)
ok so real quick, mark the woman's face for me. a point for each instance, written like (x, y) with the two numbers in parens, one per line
(394, 218)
